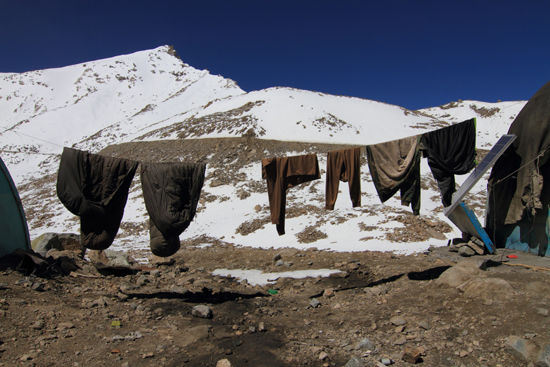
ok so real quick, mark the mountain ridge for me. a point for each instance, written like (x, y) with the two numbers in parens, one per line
(152, 99)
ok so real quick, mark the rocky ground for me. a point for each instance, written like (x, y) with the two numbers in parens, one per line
(434, 309)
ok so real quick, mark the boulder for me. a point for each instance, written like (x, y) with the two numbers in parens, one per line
(521, 348)
(487, 288)
(458, 274)
(58, 241)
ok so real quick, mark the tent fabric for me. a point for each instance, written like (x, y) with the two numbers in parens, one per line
(171, 193)
(95, 188)
(283, 173)
(516, 183)
(343, 165)
(13, 224)
(394, 166)
(450, 151)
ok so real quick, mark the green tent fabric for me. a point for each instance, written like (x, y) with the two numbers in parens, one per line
(14, 233)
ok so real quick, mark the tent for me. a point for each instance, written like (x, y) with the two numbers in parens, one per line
(14, 233)
(518, 204)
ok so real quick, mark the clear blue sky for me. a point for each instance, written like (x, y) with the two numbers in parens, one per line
(410, 53)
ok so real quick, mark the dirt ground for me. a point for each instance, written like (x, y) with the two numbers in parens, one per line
(379, 306)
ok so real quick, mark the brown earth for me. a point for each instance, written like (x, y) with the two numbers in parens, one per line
(146, 318)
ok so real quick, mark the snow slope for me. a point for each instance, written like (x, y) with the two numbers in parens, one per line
(152, 95)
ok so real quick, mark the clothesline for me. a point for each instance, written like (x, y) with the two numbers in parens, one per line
(96, 187)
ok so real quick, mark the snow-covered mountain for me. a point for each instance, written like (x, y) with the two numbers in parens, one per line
(152, 95)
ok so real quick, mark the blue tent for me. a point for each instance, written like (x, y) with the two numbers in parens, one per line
(14, 233)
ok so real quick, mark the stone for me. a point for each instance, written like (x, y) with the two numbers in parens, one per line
(466, 251)
(142, 280)
(315, 303)
(202, 311)
(400, 341)
(480, 250)
(223, 363)
(39, 287)
(328, 293)
(323, 356)
(277, 257)
(542, 311)
(366, 344)
(411, 355)
(261, 326)
(38, 325)
(279, 263)
(59, 241)
(98, 256)
(543, 357)
(65, 325)
(520, 348)
(487, 288)
(180, 290)
(355, 362)
(25, 357)
(458, 274)
(158, 261)
(398, 321)
(424, 325)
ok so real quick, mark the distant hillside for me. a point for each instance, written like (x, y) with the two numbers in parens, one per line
(133, 104)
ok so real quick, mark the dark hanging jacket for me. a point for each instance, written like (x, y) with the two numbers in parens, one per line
(282, 173)
(171, 193)
(394, 166)
(450, 151)
(516, 181)
(343, 165)
(95, 188)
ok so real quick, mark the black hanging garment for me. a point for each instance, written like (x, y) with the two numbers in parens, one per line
(95, 188)
(171, 192)
(450, 151)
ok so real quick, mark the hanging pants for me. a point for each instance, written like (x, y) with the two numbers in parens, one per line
(343, 165)
(283, 173)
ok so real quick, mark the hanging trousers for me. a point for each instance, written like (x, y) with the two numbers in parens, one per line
(283, 173)
(343, 165)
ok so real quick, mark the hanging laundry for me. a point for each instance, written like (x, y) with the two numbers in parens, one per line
(450, 151)
(283, 173)
(395, 165)
(95, 188)
(343, 165)
(171, 193)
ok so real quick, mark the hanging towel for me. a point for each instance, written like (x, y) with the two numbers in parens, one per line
(95, 188)
(171, 193)
(343, 165)
(283, 173)
(450, 151)
(395, 165)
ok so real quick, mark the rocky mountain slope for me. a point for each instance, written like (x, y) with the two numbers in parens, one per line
(149, 105)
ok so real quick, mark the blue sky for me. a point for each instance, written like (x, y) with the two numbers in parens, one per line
(414, 54)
